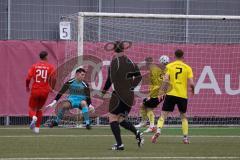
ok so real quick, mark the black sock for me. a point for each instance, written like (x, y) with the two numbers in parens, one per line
(129, 126)
(116, 132)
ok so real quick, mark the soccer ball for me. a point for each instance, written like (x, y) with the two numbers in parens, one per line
(164, 59)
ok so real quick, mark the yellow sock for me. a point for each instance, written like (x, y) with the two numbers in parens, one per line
(185, 126)
(143, 114)
(151, 117)
(160, 122)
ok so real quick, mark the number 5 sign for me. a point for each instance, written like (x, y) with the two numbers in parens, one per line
(65, 30)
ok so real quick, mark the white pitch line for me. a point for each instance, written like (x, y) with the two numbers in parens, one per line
(73, 136)
(27, 128)
(82, 158)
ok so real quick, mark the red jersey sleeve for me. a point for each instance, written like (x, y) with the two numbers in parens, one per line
(29, 76)
(30, 73)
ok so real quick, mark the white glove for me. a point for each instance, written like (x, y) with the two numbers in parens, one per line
(52, 105)
(91, 108)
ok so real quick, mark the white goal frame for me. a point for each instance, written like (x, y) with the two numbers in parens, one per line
(81, 16)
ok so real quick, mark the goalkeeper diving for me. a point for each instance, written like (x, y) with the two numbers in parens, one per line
(79, 97)
(154, 99)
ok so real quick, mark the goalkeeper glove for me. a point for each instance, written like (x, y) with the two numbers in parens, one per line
(52, 105)
(91, 108)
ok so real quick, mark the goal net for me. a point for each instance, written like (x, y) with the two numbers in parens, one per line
(211, 45)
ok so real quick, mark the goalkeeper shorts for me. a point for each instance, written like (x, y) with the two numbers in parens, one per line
(76, 101)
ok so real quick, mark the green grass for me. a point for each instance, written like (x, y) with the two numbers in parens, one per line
(62, 143)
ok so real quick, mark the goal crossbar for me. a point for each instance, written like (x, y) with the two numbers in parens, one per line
(163, 16)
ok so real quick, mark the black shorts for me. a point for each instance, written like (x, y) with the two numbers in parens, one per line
(117, 106)
(171, 101)
(151, 103)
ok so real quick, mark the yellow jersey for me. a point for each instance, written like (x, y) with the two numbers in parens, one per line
(156, 77)
(179, 73)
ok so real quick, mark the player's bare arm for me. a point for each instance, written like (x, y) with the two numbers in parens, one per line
(192, 85)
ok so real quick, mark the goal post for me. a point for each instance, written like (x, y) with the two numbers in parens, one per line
(211, 44)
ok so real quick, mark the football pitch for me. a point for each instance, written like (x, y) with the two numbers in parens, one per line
(79, 143)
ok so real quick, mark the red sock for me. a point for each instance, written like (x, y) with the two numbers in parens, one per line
(39, 118)
(31, 112)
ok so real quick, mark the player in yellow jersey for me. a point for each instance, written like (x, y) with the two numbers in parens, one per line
(153, 99)
(180, 75)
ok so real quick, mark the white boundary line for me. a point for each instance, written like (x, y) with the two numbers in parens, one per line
(107, 135)
(107, 158)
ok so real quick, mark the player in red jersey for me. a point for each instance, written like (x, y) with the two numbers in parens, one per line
(42, 74)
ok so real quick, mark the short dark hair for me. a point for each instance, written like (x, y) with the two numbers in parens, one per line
(179, 53)
(43, 55)
(118, 46)
(79, 70)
